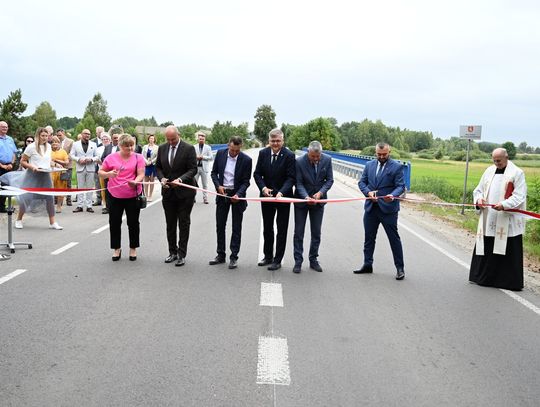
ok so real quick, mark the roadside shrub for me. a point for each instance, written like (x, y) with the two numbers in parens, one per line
(426, 155)
(441, 188)
(458, 155)
(533, 204)
(369, 150)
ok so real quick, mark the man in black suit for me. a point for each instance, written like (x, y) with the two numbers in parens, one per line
(176, 164)
(230, 174)
(275, 177)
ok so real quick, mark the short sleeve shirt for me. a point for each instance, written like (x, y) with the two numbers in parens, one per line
(7, 149)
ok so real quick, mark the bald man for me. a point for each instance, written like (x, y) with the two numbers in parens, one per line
(498, 254)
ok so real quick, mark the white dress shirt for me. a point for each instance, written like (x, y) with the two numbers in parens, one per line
(228, 174)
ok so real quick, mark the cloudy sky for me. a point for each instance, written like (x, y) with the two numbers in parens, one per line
(422, 65)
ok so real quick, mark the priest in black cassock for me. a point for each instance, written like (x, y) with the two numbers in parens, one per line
(498, 255)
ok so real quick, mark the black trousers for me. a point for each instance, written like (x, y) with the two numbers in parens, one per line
(116, 211)
(178, 215)
(269, 212)
(222, 213)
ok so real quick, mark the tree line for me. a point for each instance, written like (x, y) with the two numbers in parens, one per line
(352, 135)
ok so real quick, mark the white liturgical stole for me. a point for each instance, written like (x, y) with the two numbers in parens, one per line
(500, 224)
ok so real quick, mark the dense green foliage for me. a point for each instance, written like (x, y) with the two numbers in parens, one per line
(11, 110)
(44, 115)
(97, 109)
(265, 120)
(222, 132)
(319, 129)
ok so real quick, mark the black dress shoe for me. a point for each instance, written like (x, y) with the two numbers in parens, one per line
(132, 258)
(400, 274)
(104, 211)
(274, 266)
(233, 264)
(297, 268)
(116, 258)
(315, 266)
(170, 258)
(89, 210)
(366, 269)
(264, 262)
(217, 260)
(180, 262)
(77, 209)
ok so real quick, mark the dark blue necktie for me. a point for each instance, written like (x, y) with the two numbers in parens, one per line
(379, 173)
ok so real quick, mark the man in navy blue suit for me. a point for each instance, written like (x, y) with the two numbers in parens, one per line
(230, 174)
(314, 177)
(382, 181)
(275, 177)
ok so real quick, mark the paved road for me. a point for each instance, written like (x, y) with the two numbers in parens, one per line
(79, 330)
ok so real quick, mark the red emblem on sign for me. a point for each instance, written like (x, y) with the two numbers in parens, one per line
(470, 129)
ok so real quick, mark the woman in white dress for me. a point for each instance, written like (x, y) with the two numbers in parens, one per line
(37, 156)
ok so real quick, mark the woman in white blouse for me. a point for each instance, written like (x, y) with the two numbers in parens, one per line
(37, 156)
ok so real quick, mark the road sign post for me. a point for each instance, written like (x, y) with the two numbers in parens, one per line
(469, 133)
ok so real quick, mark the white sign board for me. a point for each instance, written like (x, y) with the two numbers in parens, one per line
(470, 132)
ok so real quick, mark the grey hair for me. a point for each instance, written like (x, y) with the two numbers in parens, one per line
(315, 146)
(200, 133)
(382, 145)
(275, 133)
(172, 127)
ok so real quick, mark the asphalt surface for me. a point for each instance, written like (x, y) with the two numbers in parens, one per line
(77, 329)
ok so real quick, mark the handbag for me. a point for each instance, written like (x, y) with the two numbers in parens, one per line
(141, 198)
(66, 175)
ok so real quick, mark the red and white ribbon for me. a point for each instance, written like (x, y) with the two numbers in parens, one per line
(66, 192)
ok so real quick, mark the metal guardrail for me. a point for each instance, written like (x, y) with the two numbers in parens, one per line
(361, 160)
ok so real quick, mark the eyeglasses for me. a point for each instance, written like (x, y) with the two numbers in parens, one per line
(29, 141)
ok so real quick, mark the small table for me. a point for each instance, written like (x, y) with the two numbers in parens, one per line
(10, 210)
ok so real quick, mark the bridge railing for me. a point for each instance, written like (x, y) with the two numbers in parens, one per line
(353, 164)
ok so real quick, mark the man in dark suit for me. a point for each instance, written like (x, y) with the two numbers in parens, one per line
(314, 178)
(275, 176)
(382, 181)
(176, 164)
(230, 174)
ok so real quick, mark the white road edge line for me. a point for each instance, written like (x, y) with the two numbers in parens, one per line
(271, 295)
(11, 275)
(511, 294)
(105, 227)
(64, 248)
(273, 361)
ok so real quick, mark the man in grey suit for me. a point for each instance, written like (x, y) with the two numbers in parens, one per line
(84, 153)
(314, 178)
(204, 156)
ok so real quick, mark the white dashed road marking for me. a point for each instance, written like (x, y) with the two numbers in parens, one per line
(11, 275)
(273, 361)
(64, 248)
(271, 295)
